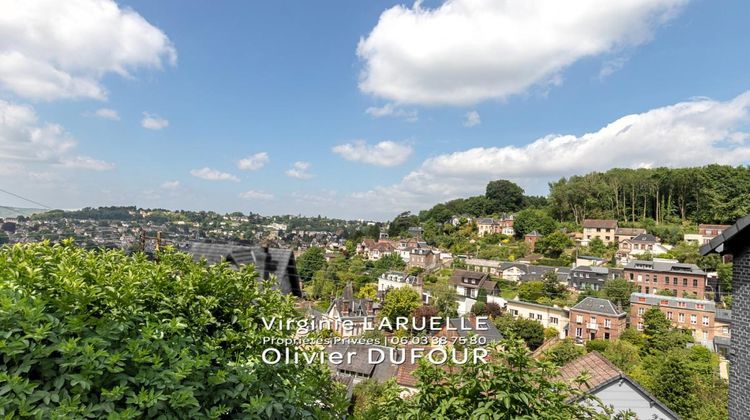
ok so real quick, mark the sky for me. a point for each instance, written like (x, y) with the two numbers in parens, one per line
(359, 110)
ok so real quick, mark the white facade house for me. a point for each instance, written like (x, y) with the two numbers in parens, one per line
(549, 316)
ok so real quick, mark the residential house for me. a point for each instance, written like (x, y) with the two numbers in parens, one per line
(375, 250)
(735, 241)
(531, 239)
(488, 226)
(682, 279)
(549, 316)
(614, 388)
(269, 262)
(589, 260)
(397, 279)
(594, 318)
(705, 233)
(424, 258)
(356, 365)
(468, 283)
(599, 228)
(466, 326)
(623, 233)
(723, 331)
(645, 243)
(691, 314)
(359, 311)
(584, 277)
(484, 266)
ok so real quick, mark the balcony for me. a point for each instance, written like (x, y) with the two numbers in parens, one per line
(592, 326)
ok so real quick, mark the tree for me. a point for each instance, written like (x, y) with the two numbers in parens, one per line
(676, 384)
(554, 244)
(312, 260)
(530, 331)
(564, 352)
(97, 334)
(400, 303)
(531, 291)
(598, 345)
(660, 336)
(368, 291)
(504, 196)
(624, 354)
(511, 385)
(401, 224)
(390, 262)
(553, 289)
(618, 291)
(597, 247)
(444, 299)
(423, 314)
(529, 220)
(493, 310)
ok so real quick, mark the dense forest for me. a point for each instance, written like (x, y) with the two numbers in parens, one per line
(708, 194)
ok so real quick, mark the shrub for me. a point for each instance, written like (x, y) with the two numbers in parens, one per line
(563, 352)
(597, 345)
(98, 333)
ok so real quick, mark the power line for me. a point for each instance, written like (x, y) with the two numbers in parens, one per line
(26, 199)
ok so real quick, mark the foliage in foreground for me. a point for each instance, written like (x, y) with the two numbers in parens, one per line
(511, 385)
(94, 333)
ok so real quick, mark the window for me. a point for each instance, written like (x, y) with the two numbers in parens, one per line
(631, 276)
(579, 319)
(700, 306)
(641, 311)
(695, 282)
(539, 317)
(641, 299)
(681, 318)
(553, 320)
(705, 321)
(606, 336)
(693, 319)
(578, 332)
(592, 319)
(664, 302)
(666, 280)
(531, 315)
(640, 326)
(607, 323)
(514, 312)
(684, 282)
(669, 315)
(674, 281)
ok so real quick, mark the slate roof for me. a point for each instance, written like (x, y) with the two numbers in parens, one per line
(268, 261)
(724, 243)
(645, 237)
(672, 302)
(482, 278)
(723, 315)
(491, 333)
(602, 373)
(599, 306)
(600, 223)
(360, 363)
(629, 231)
(664, 266)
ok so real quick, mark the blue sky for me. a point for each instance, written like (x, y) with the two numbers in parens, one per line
(381, 107)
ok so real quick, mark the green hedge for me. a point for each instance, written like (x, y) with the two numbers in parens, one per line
(102, 334)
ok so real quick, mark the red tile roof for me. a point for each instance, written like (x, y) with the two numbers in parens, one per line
(595, 365)
(600, 223)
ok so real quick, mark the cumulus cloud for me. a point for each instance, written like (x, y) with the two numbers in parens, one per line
(170, 185)
(213, 175)
(53, 49)
(299, 170)
(695, 132)
(24, 139)
(471, 119)
(253, 162)
(256, 195)
(153, 122)
(391, 110)
(385, 153)
(104, 113)
(466, 51)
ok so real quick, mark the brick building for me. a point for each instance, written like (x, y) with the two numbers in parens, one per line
(691, 314)
(683, 280)
(594, 318)
(735, 241)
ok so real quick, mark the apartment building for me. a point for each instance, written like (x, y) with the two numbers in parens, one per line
(684, 280)
(549, 316)
(595, 318)
(691, 314)
(599, 228)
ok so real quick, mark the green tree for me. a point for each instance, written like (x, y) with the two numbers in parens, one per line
(554, 244)
(93, 334)
(624, 354)
(618, 291)
(511, 385)
(504, 196)
(368, 291)
(531, 291)
(400, 302)
(563, 352)
(444, 300)
(312, 260)
(529, 220)
(676, 384)
(401, 224)
(530, 331)
(553, 289)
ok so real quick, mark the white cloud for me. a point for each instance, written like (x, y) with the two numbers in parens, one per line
(153, 122)
(391, 110)
(299, 170)
(88, 163)
(253, 162)
(24, 139)
(213, 175)
(472, 118)
(611, 66)
(105, 113)
(256, 195)
(466, 51)
(170, 185)
(52, 49)
(696, 132)
(385, 153)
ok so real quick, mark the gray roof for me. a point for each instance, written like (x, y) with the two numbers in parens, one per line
(491, 333)
(664, 266)
(360, 363)
(724, 315)
(267, 261)
(724, 243)
(597, 305)
(672, 302)
(645, 237)
(592, 269)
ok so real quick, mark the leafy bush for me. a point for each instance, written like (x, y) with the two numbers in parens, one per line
(597, 345)
(563, 352)
(94, 333)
